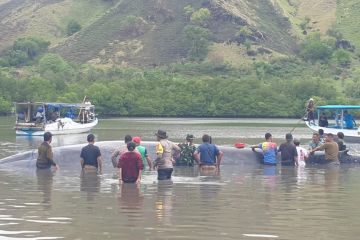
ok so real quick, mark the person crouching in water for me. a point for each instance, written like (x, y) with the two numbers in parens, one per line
(208, 155)
(164, 155)
(45, 154)
(90, 156)
(130, 165)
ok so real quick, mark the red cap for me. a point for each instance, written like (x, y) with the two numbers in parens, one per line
(136, 139)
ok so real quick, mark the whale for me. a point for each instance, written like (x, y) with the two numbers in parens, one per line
(68, 157)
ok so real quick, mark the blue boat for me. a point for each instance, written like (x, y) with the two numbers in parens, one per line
(341, 120)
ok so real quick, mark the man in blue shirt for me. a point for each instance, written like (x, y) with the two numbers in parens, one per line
(349, 120)
(208, 155)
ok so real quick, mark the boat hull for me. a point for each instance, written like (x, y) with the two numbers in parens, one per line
(59, 127)
(351, 135)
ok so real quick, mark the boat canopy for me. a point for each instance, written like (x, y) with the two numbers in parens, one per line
(56, 105)
(338, 107)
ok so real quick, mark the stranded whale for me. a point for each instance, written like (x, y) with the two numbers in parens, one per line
(68, 157)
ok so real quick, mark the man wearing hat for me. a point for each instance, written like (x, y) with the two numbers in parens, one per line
(164, 155)
(187, 150)
(289, 156)
(143, 152)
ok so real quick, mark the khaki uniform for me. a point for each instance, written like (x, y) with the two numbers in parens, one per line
(331, 151)
(45, 156)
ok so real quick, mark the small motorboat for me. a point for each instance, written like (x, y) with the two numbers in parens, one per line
(36, 118)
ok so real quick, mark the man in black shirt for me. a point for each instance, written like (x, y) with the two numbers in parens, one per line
(289, 156)
(90, 157)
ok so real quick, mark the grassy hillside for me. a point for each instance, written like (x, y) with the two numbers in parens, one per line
(348, 20)
(151, 32)
(47, 18)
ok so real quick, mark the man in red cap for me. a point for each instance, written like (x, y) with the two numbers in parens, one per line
(143, 152)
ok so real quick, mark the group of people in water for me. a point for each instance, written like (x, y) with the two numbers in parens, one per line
(132, 158)
(292, 154)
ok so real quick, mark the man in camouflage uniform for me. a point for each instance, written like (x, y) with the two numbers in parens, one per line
(187, 150)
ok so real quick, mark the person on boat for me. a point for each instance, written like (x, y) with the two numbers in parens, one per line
(340, 141)
(303, 154)
(130, 165)
(45, 157)
(146, 159)
(338, 120)
(323, 121)
(55, 115)
(269, 149)
(87, 103)
(349, 120)
(90, 156)
(208, 155)
(39, 117)
(164, 155)
(187, 152)
(310, 109)
(122, 149)
(331, 150)
(289, 155)
(315, 141)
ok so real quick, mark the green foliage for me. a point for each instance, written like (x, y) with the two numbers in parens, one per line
(304, 25)
(52, 62)
(24, 51)
(5, 106)
(72, 27)
(188, 10)
(201, 16)
(198, 39)
(342, 57)
(313, 48)
(335, 33)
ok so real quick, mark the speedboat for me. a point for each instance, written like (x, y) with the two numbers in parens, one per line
(36, 118)
(343, 121)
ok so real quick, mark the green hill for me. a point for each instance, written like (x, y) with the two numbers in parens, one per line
(219, 58)
(151, 32)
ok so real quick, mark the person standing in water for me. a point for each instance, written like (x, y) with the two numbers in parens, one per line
(118, 152)
(303, 154)
(269, 149)
(289, 156)
(90, 157)
(164, 155)
(45, 157)
(130, 165)
(146, 159)
(208, 155)
(331, 149)
(187, 152)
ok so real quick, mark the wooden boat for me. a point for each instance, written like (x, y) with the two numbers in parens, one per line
(342, 117)
(35, 118)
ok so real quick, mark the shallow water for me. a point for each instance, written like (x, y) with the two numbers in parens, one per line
(244, 202)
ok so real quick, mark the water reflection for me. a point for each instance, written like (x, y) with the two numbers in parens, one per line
(164, 202)
(90, 183)
(130, 196)
(331, 177)
(45, 185)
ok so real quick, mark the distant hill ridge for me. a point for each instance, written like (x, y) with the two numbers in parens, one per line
(151, 32)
